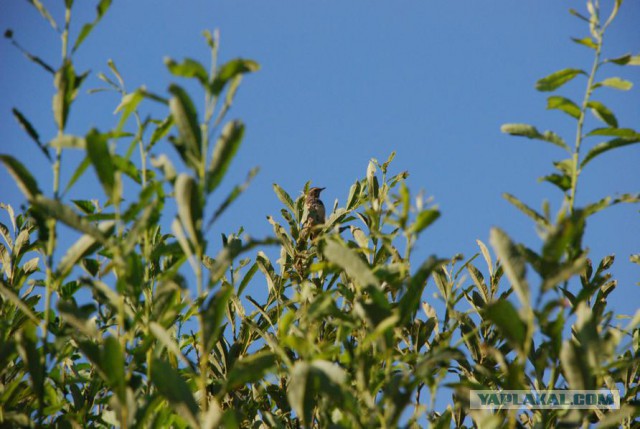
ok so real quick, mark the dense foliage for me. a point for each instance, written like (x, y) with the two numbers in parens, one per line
(112, 331)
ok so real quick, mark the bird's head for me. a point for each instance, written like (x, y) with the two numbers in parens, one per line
(315, 192)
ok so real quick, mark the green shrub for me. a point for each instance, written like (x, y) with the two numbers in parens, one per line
(344, 336)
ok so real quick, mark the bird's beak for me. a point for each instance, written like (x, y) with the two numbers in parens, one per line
(321, 189)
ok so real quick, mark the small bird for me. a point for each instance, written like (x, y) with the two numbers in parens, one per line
(315, 212)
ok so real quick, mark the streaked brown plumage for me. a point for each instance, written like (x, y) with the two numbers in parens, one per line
(315, 212)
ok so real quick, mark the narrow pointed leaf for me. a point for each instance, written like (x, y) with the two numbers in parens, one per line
(65, 214)
(284, 197)
(525, 209)
(513, 263)
(557, 79)
(10, 295)
(82, 248)
(229, 71)
(562, 181)
(423, 220)
(601, 112)
(531, 132)
(586, 41)
(21, 175)
(616, 83)
(175, 390)
(189, 206)
(250, 369)
(213, 314)
(615, 132)
(233, 195)
(167, 340)
(223, 153)
(101, 9)
(351, 262)
(186, 119)
(509, 322)
(98, 152)
(68, 141)
(86, 162)
(112, 363)
(28, 128)
(607, 146)
(45, 13)
(564, 105)
(188, 68)
(65, 83)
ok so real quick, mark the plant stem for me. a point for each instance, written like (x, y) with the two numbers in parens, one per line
(579, 136)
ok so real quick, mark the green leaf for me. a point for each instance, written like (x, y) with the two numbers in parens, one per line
(86, 162)
(557, 79)
(175, 389)
(578, 15)
(616, 83)
(621, 61)
(188, 68)
(223, 153)
(562, 181)
(513, 263)
(601, 112)
(66, 215)
(213, 314)
(128, 167)
(165, 338)
(525, 209)
(233, 195)
(82, 248)
(607, 146)
(508, 321)
(128, 105)
(575, 367)
(564, 272)
(87, 207)
(410, 301)
(101, 9)
(65, 83)
(113, 366)
(189, 206)
(21, 175)
(300, 391)
(354, 195)
(615, 132)
(250, 369)
(45, 13)
(634, 60)
(27, 346)
(531, 132)
(424, 219)
(10, 295)
(186, 119)
(563, 104)
(68, 141)
(310, 379)
(98, 152)
(160, 132)
(284, 197)
(28, 128)
(586, 41)
(351, 262)
(565, 237)
(6, 235)
(229, 71)
(361, 238)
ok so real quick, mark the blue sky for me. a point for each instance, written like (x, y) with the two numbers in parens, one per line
(342, 82)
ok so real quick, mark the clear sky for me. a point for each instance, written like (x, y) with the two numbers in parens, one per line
(342, 82)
